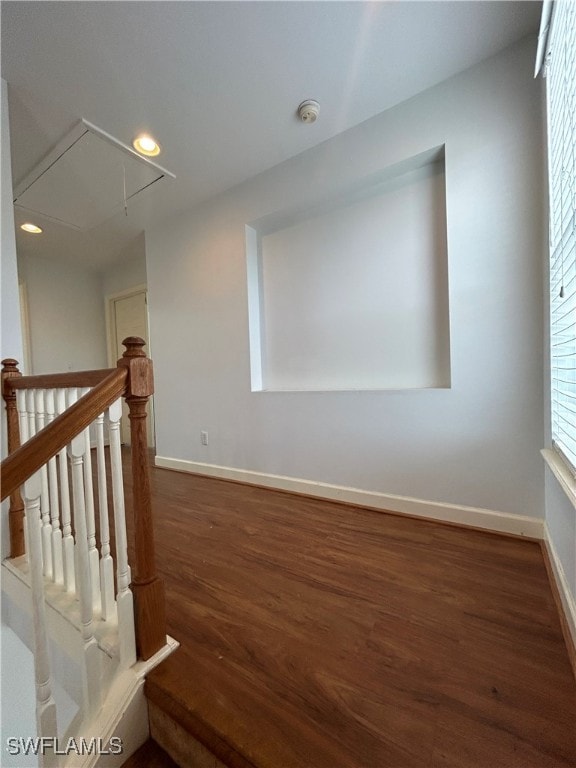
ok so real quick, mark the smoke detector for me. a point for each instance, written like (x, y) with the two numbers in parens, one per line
(308, 111)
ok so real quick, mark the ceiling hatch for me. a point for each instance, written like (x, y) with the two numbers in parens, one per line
(87, 178)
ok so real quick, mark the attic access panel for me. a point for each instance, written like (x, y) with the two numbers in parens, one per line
(86, 179)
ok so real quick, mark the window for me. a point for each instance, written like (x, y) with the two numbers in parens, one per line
(561, 101)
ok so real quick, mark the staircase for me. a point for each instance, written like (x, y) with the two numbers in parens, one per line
(92, 619)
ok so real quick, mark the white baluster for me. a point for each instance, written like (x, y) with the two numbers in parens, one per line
(106, 561)
(31, 411)
(71, 398)
(91, 521)
(21, 399)
(67, 539)
(125, 604)
(45, 705)
(91, 667)
(22, 414)
(57, 563)
(44, 498)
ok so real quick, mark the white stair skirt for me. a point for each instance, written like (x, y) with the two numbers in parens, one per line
(19, 700)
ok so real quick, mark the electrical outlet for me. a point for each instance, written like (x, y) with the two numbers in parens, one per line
(204, 437)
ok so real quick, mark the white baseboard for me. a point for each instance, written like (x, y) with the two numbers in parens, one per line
(501, 522)
(564, 591)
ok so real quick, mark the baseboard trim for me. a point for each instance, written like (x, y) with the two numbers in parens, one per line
(562, 595)
(475, 517)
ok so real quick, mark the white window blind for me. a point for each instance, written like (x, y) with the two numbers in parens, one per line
(561, 97)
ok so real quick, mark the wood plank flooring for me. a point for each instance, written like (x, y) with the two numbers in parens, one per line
(316, 635)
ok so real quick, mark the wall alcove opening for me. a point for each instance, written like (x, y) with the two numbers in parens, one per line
(353, 294)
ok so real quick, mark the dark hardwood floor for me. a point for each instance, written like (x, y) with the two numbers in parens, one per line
(150, 755)
(315, 635)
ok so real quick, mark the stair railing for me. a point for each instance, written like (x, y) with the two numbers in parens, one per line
(52, 422)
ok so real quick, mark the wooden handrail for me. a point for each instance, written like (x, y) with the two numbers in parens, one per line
(55, 380)
(27, 459)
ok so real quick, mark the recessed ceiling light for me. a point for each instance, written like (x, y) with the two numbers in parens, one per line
(146, 145)
(29, 227)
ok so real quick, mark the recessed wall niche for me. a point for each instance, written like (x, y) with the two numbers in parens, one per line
(353, 294)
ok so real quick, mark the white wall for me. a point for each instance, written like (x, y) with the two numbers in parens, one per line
(66, 315)
(561, 524)
(356, 297)
(10, 332)
(11, 339)
(66, 304)
(129, 270)
(476, 443)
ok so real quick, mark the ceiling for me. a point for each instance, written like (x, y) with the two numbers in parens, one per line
(218, 83)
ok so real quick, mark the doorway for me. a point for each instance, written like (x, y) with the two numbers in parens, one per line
(127, 315)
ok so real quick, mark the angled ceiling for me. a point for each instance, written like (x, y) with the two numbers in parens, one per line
(218, 84)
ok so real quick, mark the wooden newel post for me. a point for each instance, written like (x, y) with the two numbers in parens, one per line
(147, 588)
(16, 509)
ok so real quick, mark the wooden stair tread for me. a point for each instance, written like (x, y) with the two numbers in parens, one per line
(168, 687)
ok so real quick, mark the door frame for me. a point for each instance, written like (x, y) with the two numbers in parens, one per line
(111, 338)
(26, 362)
(111, 318)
